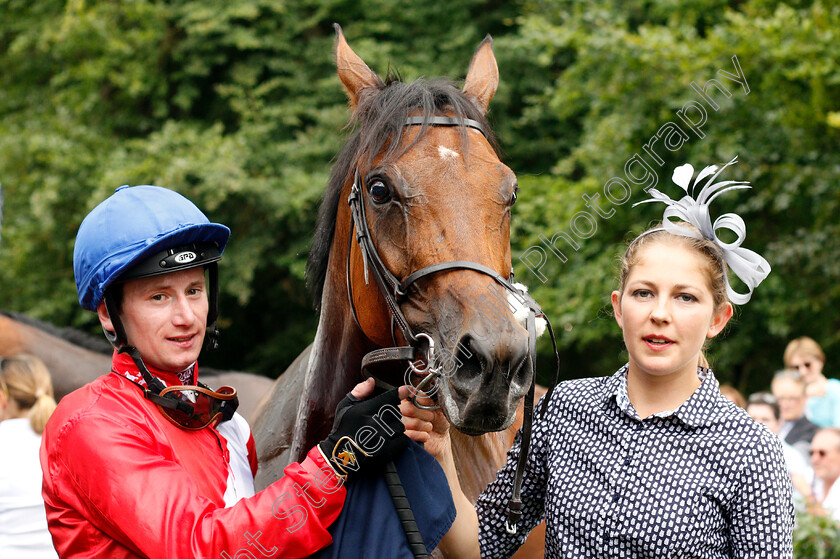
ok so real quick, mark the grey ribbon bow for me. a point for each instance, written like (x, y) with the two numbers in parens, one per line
(747, 265)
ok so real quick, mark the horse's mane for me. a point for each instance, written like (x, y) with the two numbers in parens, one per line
(75, 337)
(379, 119)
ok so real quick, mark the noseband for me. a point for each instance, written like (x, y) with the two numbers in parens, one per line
(395, 292)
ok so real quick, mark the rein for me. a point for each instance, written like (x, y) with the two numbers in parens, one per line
(395, 291)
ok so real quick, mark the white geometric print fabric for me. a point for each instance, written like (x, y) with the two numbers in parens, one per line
(704, 481)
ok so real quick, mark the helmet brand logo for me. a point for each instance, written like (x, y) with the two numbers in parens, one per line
(184, 257)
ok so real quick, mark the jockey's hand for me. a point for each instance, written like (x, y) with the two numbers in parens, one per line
(367, 431)
(428, 427)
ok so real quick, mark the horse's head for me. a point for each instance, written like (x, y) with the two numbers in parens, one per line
(431, 194)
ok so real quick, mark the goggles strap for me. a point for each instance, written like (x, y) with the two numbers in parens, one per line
(228, 409)
(154, 387)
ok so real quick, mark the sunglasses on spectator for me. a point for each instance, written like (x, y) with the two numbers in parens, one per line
(790, 373)
(805, 365)
(762, 398)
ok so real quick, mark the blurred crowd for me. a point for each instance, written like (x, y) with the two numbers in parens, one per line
(802, 407)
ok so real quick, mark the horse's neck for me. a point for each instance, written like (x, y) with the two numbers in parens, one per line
(477, 459)
(332, 371)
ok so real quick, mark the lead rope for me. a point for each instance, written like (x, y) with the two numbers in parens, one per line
(409, 524)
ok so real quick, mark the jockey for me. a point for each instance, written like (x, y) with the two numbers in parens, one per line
(147, 462)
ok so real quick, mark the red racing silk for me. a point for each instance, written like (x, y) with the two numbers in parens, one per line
(121, 481)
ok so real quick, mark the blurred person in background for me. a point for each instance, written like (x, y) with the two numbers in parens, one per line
(764, 409)
(788, 387)
(733, 395)
(806, 356)
(825, 458)
(26, 402)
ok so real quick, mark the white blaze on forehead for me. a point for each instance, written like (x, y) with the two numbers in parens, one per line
(446, 153)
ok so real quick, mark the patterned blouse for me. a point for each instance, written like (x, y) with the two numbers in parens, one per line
(704, 481)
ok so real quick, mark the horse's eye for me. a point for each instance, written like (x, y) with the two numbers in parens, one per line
(514, 196)
(378, 191)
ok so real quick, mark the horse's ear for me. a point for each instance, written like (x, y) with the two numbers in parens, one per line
(483, 75)
(352, 70)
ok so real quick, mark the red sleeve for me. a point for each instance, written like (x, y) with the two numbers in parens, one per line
(112, 474)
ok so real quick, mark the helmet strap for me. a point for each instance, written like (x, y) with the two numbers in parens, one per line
(211, 335)
(117, 338)
(153, 384)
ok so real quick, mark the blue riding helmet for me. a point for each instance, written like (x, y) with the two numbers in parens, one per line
(132, 225)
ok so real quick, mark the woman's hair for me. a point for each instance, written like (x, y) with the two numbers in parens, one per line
(711, 253)
(29, 384)
(804, 347)
(706, 248)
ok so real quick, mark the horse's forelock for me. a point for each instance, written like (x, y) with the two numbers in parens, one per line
(379, 125)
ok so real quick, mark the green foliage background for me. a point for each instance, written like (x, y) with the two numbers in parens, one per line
(236, 104)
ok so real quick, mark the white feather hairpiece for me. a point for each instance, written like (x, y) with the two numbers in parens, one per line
(749, 266)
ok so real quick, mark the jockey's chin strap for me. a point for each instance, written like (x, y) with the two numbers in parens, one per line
(395, 292)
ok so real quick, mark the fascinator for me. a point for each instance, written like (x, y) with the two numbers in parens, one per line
(693, 208)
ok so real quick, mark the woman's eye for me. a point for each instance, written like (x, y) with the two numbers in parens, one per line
(686, 298)
(378, 191)
(643, 293)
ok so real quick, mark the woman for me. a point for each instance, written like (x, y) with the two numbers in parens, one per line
(652, 461)
(26, 402)
(806, 356)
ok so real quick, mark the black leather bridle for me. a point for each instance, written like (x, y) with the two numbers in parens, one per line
(395, 291)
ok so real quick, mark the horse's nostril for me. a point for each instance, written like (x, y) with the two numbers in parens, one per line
(469, 362)
(518, 370)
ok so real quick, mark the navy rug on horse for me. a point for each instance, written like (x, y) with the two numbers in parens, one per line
(368, 528)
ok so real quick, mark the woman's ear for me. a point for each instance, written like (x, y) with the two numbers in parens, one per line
(719, 320)
(615, 299)
(104, 317)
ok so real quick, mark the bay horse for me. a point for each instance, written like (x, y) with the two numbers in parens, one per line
(431, 194)
(75, 358)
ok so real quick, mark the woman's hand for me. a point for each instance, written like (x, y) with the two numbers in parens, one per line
(428, 427)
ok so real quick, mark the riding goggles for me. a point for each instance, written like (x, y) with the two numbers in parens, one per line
(195, 407)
